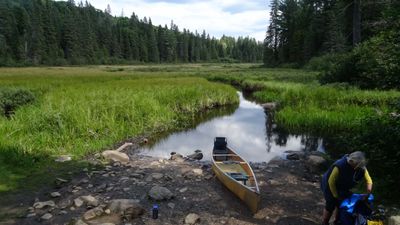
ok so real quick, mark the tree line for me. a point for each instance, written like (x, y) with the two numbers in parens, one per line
(351, 41)
(37, 32)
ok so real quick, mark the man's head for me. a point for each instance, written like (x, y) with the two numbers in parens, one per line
(357, 160)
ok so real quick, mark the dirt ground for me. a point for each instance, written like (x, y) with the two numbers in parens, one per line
(289, 195)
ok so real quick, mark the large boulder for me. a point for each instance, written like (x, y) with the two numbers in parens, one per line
(120, 205)
(394, 220)
(115, 156)
(160, 193)
(192, 218)
(315, 163)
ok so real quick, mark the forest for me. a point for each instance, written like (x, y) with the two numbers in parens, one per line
(351, 41)
(45, 32)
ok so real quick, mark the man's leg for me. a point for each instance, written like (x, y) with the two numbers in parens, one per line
(326, 217)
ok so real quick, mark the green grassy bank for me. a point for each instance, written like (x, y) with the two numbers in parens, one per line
(305, 106)
(348, 118)
(78, 111)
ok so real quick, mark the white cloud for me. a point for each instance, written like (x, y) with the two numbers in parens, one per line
(217, 17)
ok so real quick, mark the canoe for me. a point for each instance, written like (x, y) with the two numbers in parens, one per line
(236, 174)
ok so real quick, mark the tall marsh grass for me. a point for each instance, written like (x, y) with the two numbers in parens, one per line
(78, 111)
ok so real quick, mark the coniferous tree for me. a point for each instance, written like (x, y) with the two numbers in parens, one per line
(154, 55)
(56, 33)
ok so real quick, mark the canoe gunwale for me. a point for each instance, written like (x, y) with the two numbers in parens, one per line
(257, 190)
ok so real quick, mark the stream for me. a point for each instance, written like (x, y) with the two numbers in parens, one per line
(250, 131)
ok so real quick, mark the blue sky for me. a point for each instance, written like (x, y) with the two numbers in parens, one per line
(217, 17)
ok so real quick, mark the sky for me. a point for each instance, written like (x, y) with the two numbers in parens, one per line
(230, 17)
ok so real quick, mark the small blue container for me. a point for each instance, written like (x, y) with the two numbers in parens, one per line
(155, 211)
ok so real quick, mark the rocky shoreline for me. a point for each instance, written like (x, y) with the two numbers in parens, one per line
(186, 192)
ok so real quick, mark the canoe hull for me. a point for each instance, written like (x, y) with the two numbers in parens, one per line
(250, 196)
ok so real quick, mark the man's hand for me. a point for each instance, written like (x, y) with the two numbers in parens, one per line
(369, 188)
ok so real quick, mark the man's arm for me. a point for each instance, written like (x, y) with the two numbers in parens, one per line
(332, 182)
(368, 181)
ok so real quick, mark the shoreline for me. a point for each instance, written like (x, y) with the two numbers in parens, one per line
(289, 194)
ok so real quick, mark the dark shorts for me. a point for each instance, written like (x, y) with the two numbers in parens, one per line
(330, 202)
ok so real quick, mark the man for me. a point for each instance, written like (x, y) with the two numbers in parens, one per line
(341, 177)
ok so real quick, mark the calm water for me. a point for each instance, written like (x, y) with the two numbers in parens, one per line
(249, 130)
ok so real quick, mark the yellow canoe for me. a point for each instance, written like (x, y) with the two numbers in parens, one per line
(236, 174)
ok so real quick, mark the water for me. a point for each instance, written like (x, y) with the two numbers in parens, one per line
(249, 130)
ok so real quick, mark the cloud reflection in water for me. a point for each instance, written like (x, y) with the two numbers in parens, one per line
(245, 130)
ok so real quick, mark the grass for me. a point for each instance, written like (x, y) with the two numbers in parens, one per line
(79, 111)
(308, 107)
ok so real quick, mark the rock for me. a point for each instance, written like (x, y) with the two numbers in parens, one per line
(46, 216)
(273, 182)
(31, 215)
(62, 212)
(160, 193)
(93, 213)
(192, 218)
(107, 211)
(90, 200)
(394, 220)
(208, 177)
(149, 179)
(60, 181)
(80, 222)
(40, 205)
(270, 105)
(157, 176)
(198, 171)
(120, 205)
(130, 208)
(122, 147)
(294, 155)
(78, 202)
(183, 190)
(55, 194)
(197, 155)
(176, 157)
(171, 205)
(133, 213)
(63, 158)
(115, 156)
(315, 163)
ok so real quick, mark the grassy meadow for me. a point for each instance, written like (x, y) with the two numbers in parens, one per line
(78, 111)
(82, 110)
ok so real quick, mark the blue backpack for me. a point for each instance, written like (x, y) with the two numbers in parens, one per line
(355, 210)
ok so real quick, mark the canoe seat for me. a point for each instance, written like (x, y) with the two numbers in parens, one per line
(239, 177)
